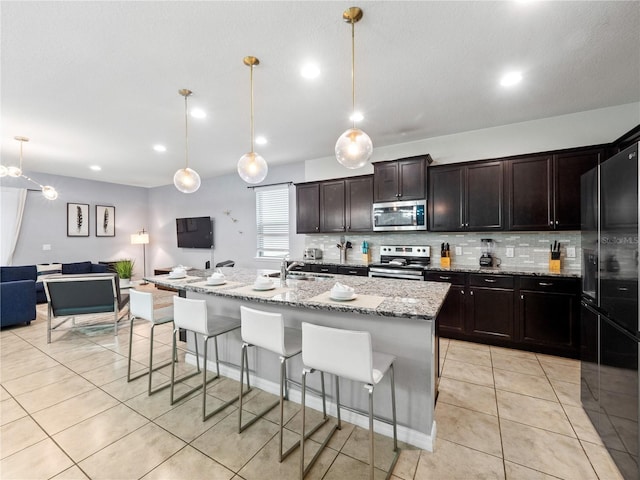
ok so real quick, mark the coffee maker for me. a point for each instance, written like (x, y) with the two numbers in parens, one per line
(487, 247)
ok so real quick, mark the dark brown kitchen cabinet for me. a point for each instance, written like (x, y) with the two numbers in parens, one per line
(544, 191)
(466, 197)
(359, 203)
(308, 208)
(321, 268)
(549, 314)
(341, 205)
(490, 311)
(451, 316)
(529, 193)
(399, 180)
(332, 204)
(353, 270)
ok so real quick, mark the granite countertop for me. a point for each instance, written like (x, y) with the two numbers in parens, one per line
(502, 270)
(401, 298)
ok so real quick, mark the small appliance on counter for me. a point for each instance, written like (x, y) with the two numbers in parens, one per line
(486, 259)
(312, 254)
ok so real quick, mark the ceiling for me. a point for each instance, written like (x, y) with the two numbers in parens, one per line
(96, 83)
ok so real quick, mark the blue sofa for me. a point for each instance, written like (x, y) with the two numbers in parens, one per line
(17, 295)
(20, 289)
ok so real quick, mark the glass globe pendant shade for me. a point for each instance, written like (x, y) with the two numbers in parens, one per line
(4, 171)
(354, 148)
(186, 180)
(14, 172)
(49, 192)
(252, 168)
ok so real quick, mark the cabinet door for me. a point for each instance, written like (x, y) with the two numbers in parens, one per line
(451, 316)
(332, 206)
(568, 168)
(412, 178)
(484, 197)
(308, 208)
(385, 182)
(529, 185)
(359, 202)
(445, 195)
(490, 313)
(549, 319)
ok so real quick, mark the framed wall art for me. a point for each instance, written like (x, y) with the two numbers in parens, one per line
(105, 221)
(77, 220)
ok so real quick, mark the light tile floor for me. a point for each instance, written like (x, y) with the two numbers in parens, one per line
(67, 412)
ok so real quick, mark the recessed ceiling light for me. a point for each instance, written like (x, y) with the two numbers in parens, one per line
(198, 113)
(160, 148)
(95, 168)
(310, 71)
(511, 78)
(261, 140)
(356, 117)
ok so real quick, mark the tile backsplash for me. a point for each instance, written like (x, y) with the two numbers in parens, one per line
(530, 249)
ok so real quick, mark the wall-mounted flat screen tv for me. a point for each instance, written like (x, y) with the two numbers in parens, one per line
(194, 232)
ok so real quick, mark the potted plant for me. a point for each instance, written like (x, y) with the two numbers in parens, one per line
(124, 269)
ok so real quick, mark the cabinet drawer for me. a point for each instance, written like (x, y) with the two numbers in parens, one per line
(360, 271)
(491, 281)
(324, 268)
(300, 268)
(456, 278)
(549, 284)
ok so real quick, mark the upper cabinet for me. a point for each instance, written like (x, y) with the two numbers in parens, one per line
(342, 205)
(544, 191)
(398, 180)
(308, 208)
(466, 197)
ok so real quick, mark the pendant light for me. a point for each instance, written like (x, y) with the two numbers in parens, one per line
(186, 180)
(354, 147)
(252, 168)
(48, 191)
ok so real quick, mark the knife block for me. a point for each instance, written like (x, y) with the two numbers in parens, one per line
(554, 266)
(445, 262)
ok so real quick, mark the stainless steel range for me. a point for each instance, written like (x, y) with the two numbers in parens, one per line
(398, 261)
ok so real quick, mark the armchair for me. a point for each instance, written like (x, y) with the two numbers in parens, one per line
(17, 295)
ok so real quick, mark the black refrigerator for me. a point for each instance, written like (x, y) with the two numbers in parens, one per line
(610, 327)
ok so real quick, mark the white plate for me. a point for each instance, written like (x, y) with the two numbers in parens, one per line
(343, 299)
(175, 277)
(216, 282)
(263, 287)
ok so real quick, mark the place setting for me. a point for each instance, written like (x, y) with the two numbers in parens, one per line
(347, 296)
(262, 286)
(215, 280)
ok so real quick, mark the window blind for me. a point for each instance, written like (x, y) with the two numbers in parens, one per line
(272, 221)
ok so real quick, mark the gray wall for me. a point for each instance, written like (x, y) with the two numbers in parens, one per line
(45, 222)
(231, 204)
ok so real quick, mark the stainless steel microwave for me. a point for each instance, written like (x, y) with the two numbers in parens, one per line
(400, 216)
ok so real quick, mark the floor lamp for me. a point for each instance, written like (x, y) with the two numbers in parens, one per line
(141, 238)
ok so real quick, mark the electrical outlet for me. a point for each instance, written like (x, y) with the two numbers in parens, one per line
(46, 246)
(458, 250)
(571, 252)
(510, 252)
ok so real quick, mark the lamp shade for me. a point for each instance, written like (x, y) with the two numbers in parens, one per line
(139, 238)
(354, 148)
(252, 168)
(186, 180)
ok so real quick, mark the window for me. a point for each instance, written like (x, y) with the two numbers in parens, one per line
(272, 221)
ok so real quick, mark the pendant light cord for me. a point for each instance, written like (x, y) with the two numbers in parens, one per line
(251, 81)
(21, 142)
(353, 72)
(186, 133)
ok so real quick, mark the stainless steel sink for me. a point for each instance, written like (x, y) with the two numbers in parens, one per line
(308, 276)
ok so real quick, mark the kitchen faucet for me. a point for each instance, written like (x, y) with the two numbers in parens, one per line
(284, 269)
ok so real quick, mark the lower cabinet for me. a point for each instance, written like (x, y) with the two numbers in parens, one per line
(528, 312)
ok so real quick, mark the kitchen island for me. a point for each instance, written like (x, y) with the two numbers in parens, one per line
(401, 316)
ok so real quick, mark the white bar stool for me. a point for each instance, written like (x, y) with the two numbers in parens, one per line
(347, 354)
(266, 330)
(191, 315)
(141, 307)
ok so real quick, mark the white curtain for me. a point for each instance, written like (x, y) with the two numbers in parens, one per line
(12, 201)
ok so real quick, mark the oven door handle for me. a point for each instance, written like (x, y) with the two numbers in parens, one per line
(395, 275)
